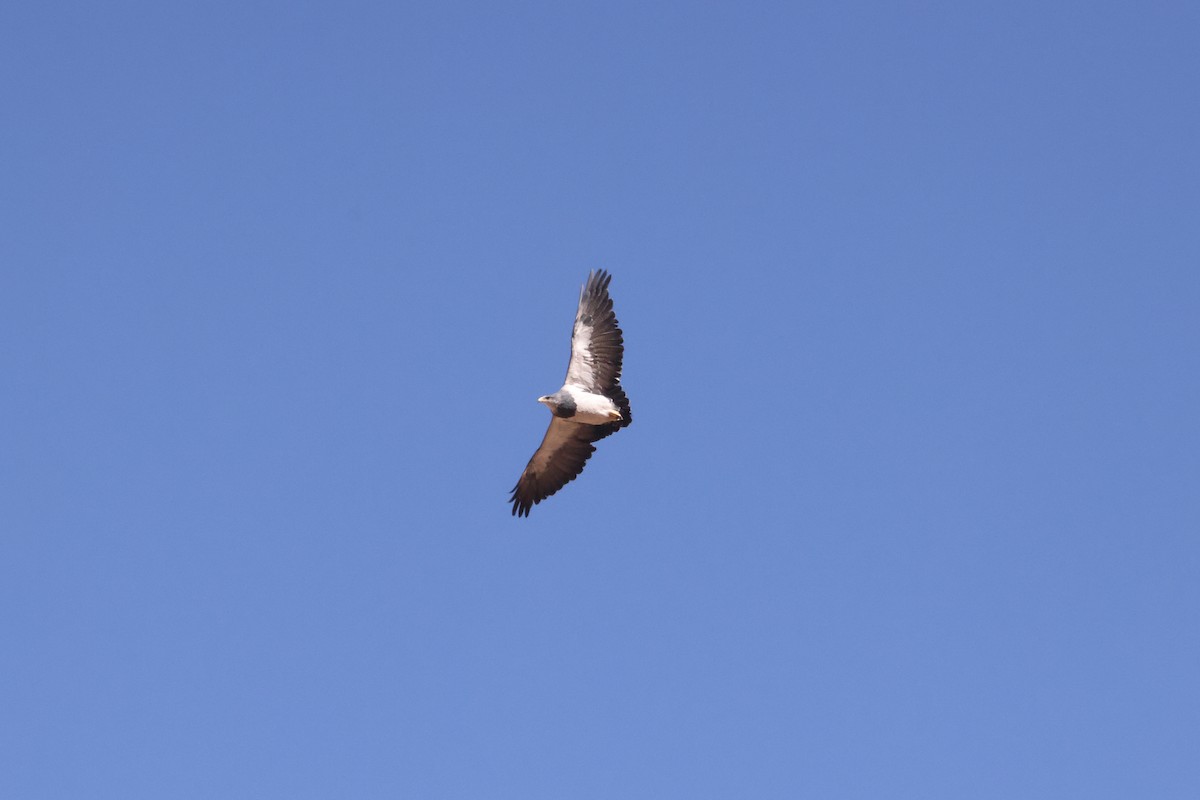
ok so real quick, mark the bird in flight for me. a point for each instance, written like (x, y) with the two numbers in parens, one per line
(590, 405)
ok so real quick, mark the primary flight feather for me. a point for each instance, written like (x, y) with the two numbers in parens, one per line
(590, 405)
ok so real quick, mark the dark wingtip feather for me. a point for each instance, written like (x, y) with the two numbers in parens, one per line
(520, 505)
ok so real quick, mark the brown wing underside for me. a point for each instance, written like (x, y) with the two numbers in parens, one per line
(565, 449)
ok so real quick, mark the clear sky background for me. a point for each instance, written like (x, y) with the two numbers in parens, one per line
(909, 507)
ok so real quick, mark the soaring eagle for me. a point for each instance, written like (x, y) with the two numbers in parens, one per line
(590, 405)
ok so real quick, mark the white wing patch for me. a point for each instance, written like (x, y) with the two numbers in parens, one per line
(581, 371)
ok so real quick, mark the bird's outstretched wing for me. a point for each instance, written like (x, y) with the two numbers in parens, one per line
(596, 343)
(565, 449)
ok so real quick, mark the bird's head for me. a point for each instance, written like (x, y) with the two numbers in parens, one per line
(561, 403)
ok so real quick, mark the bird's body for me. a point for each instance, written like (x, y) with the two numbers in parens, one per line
(590, 405)
(579, 405)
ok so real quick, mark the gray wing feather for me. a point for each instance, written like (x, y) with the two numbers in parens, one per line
(597, 346)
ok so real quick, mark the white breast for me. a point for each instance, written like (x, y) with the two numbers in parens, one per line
(592, 409)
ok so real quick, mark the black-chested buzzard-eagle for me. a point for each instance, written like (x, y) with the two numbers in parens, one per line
(590, 405)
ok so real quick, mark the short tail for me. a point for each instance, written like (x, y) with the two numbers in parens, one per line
(617, 395)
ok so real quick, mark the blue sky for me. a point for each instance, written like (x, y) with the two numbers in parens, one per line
(909, 506)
